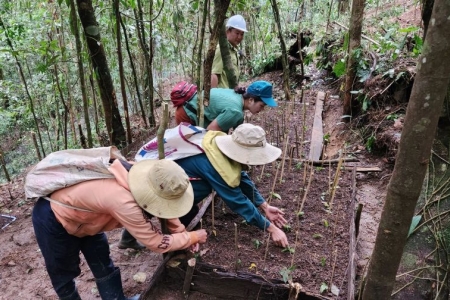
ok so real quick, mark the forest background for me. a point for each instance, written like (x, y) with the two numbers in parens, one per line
(77, 73)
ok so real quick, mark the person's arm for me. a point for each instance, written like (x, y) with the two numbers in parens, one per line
(130, 215)
(214, 80)
(228, 118)
(235, 199)
(214, 126)
(248, 188)
(278, 236)
(274, 214)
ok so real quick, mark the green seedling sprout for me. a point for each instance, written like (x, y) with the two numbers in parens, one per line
(289, 249)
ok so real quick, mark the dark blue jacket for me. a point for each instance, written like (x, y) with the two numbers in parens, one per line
(243, 199)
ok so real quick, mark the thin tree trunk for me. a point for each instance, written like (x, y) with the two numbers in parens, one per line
(68, 105)
(427, 96)
(25, 85)
(113, 120)
(200, 46)
(220, 10)
(355, 29)
(3, 163)
(152, 120)
(76, 32)
(66, 109)
(133, 68)
(427, 8)
(145, 50)
(121, 71)
(284, 53)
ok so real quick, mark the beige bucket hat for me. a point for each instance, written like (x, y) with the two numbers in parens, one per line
(161, 187)
(248, 145)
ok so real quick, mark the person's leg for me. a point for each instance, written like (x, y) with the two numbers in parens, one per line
(96, 251)
(61, 250)
(187, 218)
(128, 241)
(107, 277)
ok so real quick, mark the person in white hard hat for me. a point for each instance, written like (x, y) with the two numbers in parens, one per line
(235, 29)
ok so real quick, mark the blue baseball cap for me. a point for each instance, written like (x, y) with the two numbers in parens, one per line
(263, 90)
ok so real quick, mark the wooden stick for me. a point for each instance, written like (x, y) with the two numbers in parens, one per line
(201, 212)
(188, 278)
(362, 35)
(323, 162)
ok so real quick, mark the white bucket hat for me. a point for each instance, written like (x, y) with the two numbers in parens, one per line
(248, 145)
(161, 187)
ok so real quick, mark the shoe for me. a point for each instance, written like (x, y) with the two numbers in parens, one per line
(128, 241)
(110, 287)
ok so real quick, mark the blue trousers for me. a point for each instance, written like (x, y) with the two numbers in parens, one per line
(61, 250)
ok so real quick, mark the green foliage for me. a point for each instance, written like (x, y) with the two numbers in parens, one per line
(415, 221)
(392, 117)
(339, 68)
(287, 228)
(370, 143)
(323, 288)
(260, 62)
(289, 249)
(257, 243)
(286, 273)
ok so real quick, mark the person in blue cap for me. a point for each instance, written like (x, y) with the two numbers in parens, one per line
(227, 106)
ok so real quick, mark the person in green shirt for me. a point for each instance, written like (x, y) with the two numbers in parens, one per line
(235, 29)
(227, 106)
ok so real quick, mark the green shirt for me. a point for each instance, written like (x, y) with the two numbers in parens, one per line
(217, 67)
(225, 106)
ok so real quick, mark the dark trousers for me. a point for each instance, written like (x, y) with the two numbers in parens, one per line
(61, 250)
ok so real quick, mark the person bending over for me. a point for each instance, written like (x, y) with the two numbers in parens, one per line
(226, 107)
(75, 218)
(220, 169)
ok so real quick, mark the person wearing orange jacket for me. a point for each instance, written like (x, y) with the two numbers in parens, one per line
(74, 220)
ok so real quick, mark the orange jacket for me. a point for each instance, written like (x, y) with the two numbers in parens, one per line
(113, 207)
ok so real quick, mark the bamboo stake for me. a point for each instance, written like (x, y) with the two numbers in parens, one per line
(188, 278)
(236, 248)
(284, 158)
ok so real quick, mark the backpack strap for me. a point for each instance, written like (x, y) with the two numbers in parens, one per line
(66, 205)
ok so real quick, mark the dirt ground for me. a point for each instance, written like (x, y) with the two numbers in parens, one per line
(321, 242)
(321, 247)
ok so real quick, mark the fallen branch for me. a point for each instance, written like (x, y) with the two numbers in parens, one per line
(322, 162)
(362, 35)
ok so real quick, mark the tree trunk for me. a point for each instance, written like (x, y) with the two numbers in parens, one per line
(427, 9)
(66, 109)
(284, 62)
(121, 75)
(68, 104)
(152, 120)
(145, 50)
(133, 68)
(200, 46)
(355, 29)
(113, 120)
(220, 10)
(425, 104)
(76, 32)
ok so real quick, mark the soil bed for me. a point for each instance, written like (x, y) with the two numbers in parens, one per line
(319, 236)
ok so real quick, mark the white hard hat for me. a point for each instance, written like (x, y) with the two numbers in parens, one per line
(238, 22)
